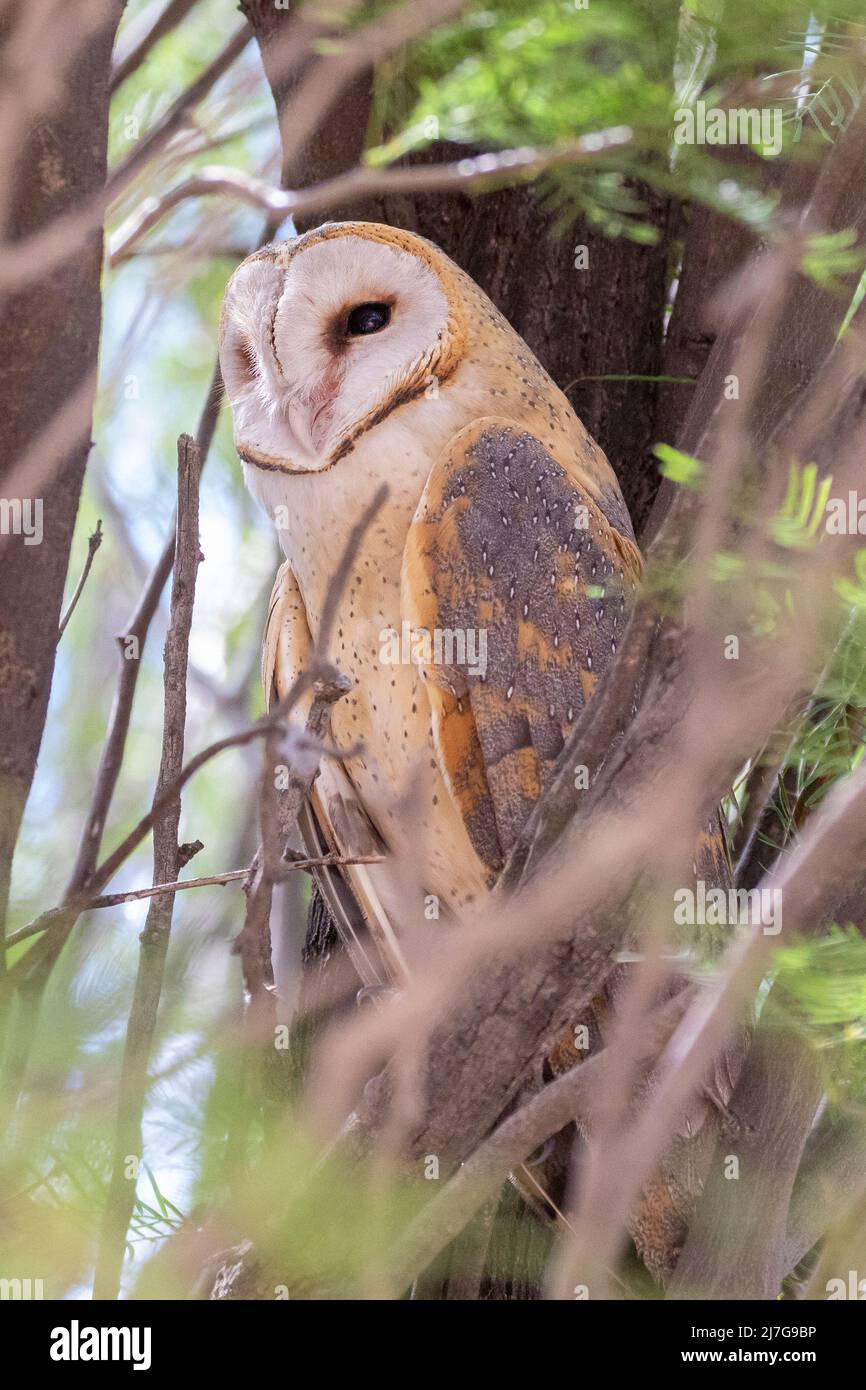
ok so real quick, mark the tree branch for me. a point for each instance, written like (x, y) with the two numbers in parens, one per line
(93, 545)
(133, 895)
(166, 860)
(174, 12)
(559, 1102)
(478, 172)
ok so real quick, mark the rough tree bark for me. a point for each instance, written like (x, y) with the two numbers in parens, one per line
(54, 324)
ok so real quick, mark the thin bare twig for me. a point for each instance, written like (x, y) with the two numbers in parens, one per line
(166, 861)
(93, 545)
(34, 969)
(61, 919)
(326, 861)
(278, 817)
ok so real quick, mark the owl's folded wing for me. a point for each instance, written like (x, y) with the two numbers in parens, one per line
(332, 820)
(519, 550)
(517, 573)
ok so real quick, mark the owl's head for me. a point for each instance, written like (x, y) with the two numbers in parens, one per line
(322, 337)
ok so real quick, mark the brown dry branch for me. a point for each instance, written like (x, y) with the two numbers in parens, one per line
(473, 172)
(278, 814)
(60, 919)
(93, 545)
(31, 973)
(141, 1026)
(481, 1175)
(134, 895)
(35, 255)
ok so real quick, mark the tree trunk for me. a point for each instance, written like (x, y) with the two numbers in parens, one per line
(53, 322)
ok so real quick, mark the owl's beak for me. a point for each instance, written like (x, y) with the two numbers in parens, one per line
(299, 420)
(298, 440)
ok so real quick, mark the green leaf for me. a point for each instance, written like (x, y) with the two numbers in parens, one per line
(679, 467)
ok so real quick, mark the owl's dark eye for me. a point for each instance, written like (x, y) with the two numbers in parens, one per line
(367, 318)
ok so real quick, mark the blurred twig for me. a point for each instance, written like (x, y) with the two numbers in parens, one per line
(61, 919)
(174, 12)
(479, 1177)
(158, 137)
(809, 882)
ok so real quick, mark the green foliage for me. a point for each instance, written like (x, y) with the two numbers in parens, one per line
(796, 524)
(830, 256)
(822, 984)
(516, 74)
(679, 467)
(850, 591)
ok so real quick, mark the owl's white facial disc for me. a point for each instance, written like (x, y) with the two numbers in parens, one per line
(310, 351)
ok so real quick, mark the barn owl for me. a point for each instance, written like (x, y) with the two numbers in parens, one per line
(359, 354)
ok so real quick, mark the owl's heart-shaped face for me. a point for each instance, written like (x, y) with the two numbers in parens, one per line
(321, 338)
